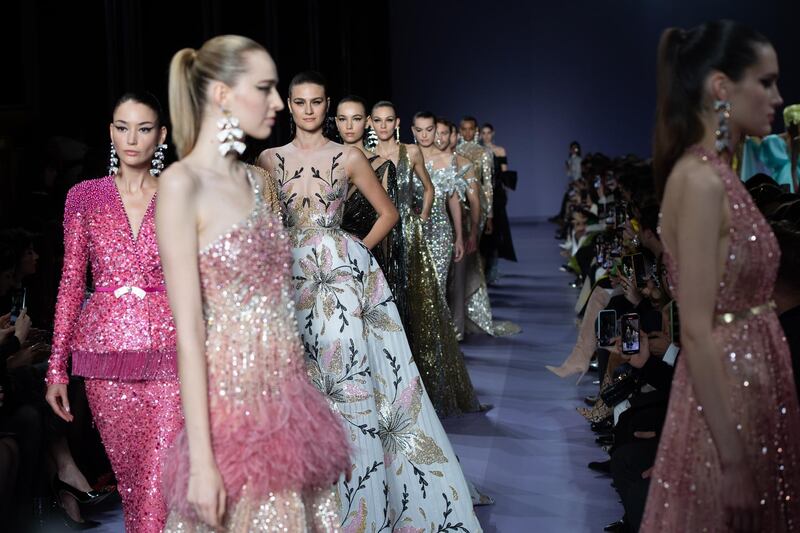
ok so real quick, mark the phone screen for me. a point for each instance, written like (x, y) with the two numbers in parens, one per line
(628, 268)
(18, 303)
(639, 270)
(630, 333)
(622, 215)
(606, 327)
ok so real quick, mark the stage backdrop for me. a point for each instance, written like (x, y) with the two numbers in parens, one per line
(547, 73)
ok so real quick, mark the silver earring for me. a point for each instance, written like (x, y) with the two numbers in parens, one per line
(723, 133)
(113, 165)
(370, 139)
(397, 134)
(230, 135)
(157, 163)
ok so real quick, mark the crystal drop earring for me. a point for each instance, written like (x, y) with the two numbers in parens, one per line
(157, 163)
(113, 165)
(723, 133)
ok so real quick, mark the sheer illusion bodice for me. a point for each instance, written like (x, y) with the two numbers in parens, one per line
(685, 492)
(405, 474)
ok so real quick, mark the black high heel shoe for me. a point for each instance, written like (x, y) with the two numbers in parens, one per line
(91, 497)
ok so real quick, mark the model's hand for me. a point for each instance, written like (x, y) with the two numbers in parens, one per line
(59, 402)
(5, 321)
(472, 244)
(458, 252)
(206, 493)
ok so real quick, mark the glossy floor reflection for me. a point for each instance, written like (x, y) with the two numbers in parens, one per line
(530, 452)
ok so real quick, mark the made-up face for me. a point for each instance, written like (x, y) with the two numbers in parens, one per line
(309, 106)
(424, 130)
(468, 130)
(487, 135)
(442, 139)
(135, 133)
(384, 121)
(254, 98)
(755, 97)
(351, 121)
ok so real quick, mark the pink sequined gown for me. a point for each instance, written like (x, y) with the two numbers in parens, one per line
(123, 344)
(278, 445)
(686, 481)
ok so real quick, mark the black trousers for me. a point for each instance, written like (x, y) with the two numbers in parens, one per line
(627, 464)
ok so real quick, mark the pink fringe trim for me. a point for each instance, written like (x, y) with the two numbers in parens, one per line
(289, 442)
(126, 365)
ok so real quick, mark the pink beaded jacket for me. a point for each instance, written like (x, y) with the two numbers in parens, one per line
(124, 330)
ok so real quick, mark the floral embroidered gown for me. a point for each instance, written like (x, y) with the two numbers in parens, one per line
(405, 474)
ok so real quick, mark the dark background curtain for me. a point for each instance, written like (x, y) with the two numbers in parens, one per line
(64, 64)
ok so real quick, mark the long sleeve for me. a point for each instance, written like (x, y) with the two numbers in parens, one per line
(72, 287)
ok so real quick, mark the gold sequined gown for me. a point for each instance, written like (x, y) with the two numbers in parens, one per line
(276, 442)
(478, 307)
(405, 476)
(686, 483)
(431, 333)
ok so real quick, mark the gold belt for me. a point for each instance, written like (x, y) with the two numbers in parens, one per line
(728, 318)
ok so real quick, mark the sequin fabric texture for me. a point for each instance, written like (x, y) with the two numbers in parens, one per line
(478, 308)
(686, 487)
(447, 181)
(405, 475)
(125, 337)
(128, 341)
(431, 334)
(482, 160)
(138, 422)
(278, 445)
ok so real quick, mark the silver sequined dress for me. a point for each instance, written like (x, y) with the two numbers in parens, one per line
(438, 228)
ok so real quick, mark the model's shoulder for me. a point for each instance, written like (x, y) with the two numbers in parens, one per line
(90, 191)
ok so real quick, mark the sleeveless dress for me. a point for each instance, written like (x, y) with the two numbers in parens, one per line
(686, 479)
(276, 442)
(358, 219)
(405, 475)
(471, 281)
(438, 228)
(432, 334)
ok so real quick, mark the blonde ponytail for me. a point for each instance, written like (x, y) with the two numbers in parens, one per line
(184, 111)
(220, 58)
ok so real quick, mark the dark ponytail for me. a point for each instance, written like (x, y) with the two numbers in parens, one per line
(685, 59)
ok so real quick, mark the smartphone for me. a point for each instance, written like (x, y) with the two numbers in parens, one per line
(18, 303)
(634, 268)
(622, 215)
(674, 323)
(606, 327)
(629, 329)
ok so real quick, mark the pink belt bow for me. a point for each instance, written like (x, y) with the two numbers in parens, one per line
(139, 292)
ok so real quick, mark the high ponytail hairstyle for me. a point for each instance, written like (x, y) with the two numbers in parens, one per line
(685, 59)
(221, 58)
